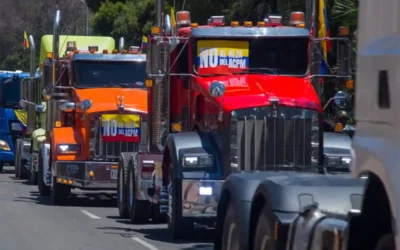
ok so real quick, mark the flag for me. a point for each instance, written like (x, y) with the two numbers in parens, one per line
(173, 21)
(26, 41)
(323, 31)
(144, 42)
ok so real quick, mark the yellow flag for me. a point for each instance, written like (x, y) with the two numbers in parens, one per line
(26, 41)
(173, 21)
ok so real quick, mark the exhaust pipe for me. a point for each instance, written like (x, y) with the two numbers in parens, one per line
(121, 44)
(167, 23)
(33, 50)
(159, 9)
(56, 34)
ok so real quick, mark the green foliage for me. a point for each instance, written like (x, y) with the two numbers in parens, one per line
(18, 60)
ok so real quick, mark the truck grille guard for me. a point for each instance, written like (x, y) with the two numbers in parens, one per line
(261, 141)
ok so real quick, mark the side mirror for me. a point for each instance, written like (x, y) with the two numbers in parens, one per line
(216, 89)
(341, 99)
(39, 108)
(67, 106)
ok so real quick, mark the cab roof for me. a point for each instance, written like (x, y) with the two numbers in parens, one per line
(243, 32)
(83, 43)
(109, 57)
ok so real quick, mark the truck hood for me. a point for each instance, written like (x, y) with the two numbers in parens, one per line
(107, 99)
(253, 90)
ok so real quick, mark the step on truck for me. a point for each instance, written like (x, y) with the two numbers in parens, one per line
(13, 122)
(94, 104)
(202, 81)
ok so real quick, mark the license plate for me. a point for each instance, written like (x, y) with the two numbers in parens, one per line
(114, 174)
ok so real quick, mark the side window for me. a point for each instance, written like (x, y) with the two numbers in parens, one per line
(182, 62)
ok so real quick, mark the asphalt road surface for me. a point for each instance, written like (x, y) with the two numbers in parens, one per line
(88, 222)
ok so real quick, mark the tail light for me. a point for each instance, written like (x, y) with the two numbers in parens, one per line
(147, 169)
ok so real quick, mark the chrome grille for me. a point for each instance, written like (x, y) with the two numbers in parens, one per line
(262, 142)
(106, 150)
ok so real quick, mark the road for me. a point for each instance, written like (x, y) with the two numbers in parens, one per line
(88, 222)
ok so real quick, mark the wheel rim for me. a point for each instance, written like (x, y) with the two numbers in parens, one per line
(120, 184)
(231, 243)
(264, 242)
(131, 190)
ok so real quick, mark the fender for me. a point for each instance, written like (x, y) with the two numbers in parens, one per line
(238, 189)
(69, 135)
(173, 173)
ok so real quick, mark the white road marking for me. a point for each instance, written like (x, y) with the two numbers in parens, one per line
(93, 216)
(144, 243)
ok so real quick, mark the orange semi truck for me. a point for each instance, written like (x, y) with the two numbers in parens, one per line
(95, 104)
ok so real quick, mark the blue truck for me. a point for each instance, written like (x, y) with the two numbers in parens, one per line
(12, 116)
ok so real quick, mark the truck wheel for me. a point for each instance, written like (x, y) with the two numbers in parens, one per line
(16, 164)
(139, 211)
(230, 230)
(179, 229)
(1, 167)
(122, 194)
(23, 172)
(263, 238)
(32, 176)
(59, 193)
(386, 242)
(43, 189)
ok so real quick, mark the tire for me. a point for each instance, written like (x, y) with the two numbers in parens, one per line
(122, 189)
(230, 230)
(1, 167)
(263, 238)
(32, 177)
(386, 242)
(16, 163)
(139, 211)
(23, 172)
(43, 189)
(59, 193)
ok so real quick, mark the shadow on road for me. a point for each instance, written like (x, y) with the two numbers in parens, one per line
(75, 200)
(199, 236)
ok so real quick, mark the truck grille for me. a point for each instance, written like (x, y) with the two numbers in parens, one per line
(262, 142)
(100, 150)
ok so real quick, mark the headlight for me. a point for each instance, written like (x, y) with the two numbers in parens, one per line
(68, 148)
(4, 146)
(338, 161)
(198, 161)
(16, 126)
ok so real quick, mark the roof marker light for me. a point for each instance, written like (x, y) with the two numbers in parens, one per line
(248, 24)
(235, 24)
(194, 25)
(93, 49)
(217, 21)
(261, 24)
(296, 17)
(183, 18)
(134, 49)
(343, 31)
(274, 21)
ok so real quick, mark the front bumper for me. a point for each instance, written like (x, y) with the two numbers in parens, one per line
(7, 157)
(87, 174)
(200, 198)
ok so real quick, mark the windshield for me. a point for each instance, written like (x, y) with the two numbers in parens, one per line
(95, 74)
(266, 138)
(284, 56)
(10, 93)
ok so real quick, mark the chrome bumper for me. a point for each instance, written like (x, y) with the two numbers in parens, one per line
(200, 198)
(87, 174)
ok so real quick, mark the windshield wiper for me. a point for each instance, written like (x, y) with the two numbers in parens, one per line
(256, 70)
(117, 85)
